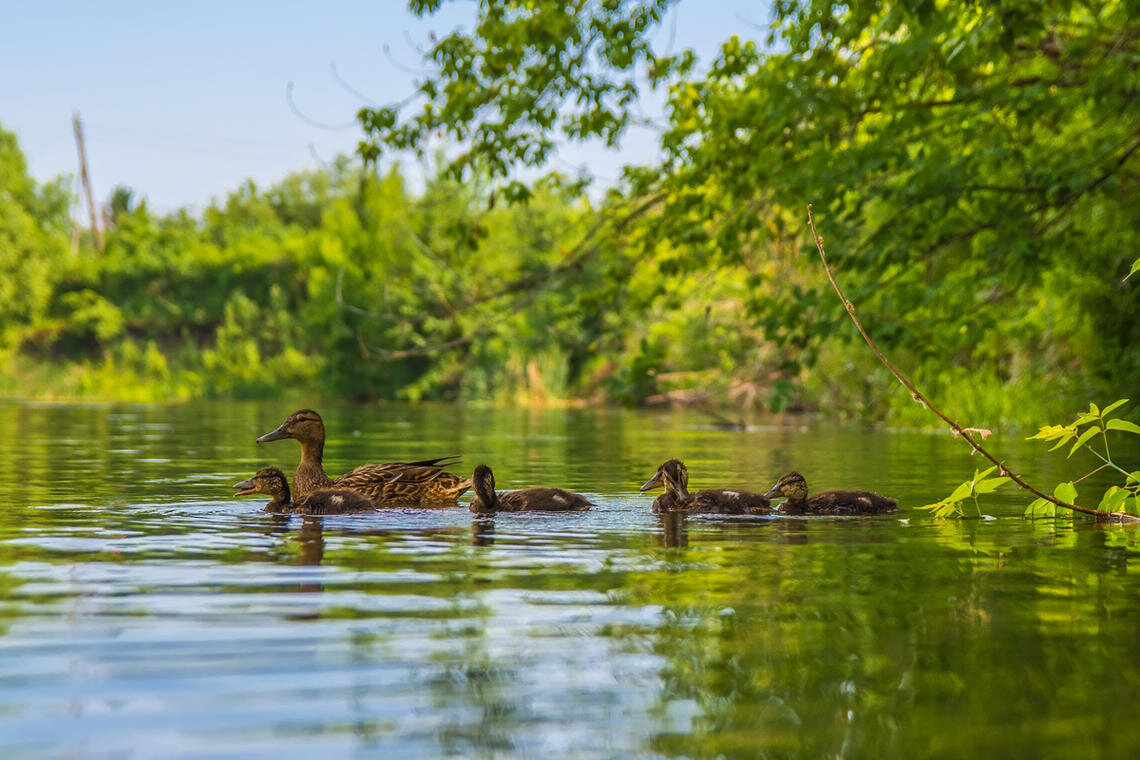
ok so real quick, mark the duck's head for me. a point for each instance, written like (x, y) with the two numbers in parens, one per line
(483, 481)
(268, 480)
(791, 486)
(674, 476)
(304, 425)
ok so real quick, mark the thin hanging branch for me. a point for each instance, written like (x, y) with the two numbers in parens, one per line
(965, 432)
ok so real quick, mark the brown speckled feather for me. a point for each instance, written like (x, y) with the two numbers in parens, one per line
(534, 500)
(404, 483)
(714, 501)
(332, 501)
(841, 503)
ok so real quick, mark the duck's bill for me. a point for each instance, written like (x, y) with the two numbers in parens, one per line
(245, 488)
(276, 435)
(654, 482)
(773, 493)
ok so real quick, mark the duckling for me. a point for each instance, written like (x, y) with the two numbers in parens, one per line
(794, 489)
(412, 483)
(323, 501)
(486, 501)
(675, 477)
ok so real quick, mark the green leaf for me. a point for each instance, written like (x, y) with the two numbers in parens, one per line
(942, 508)
(986, 486)
(1041, 508)
(946, 510)
(979, 475)
(1065, 492)
(1125, 425)
(1085, 436)
(1085, 419)
(1049, 432)
(1135, 268)
(1113, 499)
(1134, 476)
(1112, 406)
(1064, 440)
(961, 492)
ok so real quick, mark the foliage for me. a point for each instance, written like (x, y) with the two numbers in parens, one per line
(976, 165)
(1096, 423)
(969, 157)
(1083, 432)
(980, 483)
(33, 224)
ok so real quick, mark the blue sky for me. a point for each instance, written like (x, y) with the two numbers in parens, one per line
(182, 102)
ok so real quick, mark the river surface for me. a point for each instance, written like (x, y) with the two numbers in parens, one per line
(146, 612)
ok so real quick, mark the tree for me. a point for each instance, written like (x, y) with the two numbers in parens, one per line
(34, 223)
(977, 164)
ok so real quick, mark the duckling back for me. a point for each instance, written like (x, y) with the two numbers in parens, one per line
(532, 500)
(714, 501)
(332, 501)
(842, 503)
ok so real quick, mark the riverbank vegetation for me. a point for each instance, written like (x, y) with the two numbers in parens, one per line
(976, 168)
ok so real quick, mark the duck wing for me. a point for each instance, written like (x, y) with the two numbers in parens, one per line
(405, 482)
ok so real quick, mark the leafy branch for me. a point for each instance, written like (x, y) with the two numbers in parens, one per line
(959, 430)
(1096, 422)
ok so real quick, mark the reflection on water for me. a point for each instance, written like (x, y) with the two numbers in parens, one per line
(144, 611)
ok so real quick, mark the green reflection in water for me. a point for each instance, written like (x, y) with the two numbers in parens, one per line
(143, 610)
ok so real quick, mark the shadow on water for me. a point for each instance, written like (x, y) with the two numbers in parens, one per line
(144, 611)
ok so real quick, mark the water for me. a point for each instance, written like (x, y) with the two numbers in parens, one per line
(145, 612)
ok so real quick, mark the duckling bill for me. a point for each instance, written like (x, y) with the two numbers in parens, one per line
(324, 501)
(487, 501)
(793, 488)
(674, 477)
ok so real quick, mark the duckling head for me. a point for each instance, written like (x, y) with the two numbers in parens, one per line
(268, 480)
(674, 476)
(483, 481)
(791, 486)
(304, 425)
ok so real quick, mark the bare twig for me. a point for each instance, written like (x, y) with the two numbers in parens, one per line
(918, 396)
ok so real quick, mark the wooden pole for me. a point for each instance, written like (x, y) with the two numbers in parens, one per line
(86, 180)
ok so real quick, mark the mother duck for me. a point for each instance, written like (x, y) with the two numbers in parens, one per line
(410, 483)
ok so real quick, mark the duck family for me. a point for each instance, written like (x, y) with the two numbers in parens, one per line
(426, 483)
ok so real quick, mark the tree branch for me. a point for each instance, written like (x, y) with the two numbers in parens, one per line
(918, 396)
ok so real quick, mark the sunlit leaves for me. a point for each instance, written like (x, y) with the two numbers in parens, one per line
(1125, 425)
(526, 72)
(1066, 492)
(1041, 508)
(981, 483)
(1083, 439)
(1098, 421)
(952, 145)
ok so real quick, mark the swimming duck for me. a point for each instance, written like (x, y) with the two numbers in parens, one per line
(674, 476)
(486, 501)
(323, 501)
(794, 489)
(421, 482)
